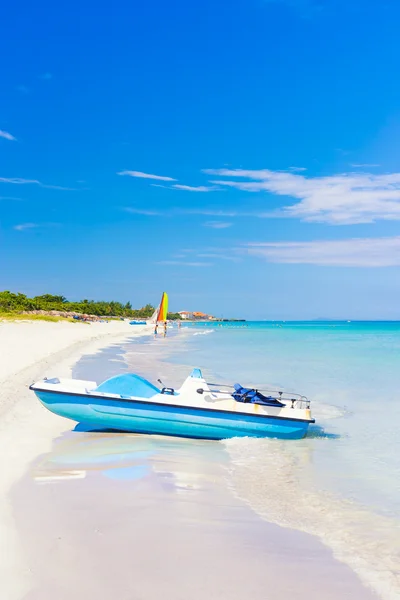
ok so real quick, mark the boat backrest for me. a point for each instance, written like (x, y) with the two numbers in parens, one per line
(193, 383)
(128, 385)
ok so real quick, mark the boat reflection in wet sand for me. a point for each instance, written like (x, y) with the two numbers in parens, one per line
(172, 463)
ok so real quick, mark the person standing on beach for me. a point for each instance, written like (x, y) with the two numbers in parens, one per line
(165, 328)
(156, 330)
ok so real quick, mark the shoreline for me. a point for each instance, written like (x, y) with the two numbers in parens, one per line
(186, 478)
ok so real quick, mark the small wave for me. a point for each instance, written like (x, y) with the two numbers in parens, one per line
(316, 431)
(276, 480)
(325, 412)
(204, 332)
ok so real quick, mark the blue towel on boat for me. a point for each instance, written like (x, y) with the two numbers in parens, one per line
(242, 394)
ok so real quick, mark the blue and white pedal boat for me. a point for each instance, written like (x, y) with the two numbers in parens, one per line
(197, 409)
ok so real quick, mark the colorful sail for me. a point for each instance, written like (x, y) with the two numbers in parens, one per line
(153, 318)
(163, 311)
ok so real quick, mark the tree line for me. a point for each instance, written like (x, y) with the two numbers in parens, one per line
(17, 303)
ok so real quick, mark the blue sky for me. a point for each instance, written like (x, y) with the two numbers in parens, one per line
(242, 156)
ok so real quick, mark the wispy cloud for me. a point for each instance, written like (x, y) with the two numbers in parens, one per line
(46, 76)
(217, 224)
(24, 226)
(356, 252)
(219, 256)
(184, 263)
(211, 212)
(9, 198)
(338, 199)
(7, 136)
(198, 188)
(20, 181)
(206, 212)
(143, 211)
(188, 188)
(141, 175)
(364, 165)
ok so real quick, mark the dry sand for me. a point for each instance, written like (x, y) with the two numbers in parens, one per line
(30, 350)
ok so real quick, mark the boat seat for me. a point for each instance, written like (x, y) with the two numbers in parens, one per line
(128, 385)
(242, 394)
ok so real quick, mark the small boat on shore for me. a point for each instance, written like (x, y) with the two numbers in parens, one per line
(159, 315)
(197, 409)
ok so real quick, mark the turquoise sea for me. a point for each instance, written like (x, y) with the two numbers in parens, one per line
(342, 482)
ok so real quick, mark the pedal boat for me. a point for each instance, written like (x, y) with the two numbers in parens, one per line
(197, 409)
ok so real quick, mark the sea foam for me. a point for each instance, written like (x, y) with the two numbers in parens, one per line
(275, 479)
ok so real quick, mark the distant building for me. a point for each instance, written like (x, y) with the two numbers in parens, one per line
(200, 315)
(184, 314)
(195, 316)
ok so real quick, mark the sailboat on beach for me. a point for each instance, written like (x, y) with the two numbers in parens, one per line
(160, 314)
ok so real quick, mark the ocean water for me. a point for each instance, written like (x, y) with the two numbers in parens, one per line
(342, 482)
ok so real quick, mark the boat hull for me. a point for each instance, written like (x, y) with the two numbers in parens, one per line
(168, 419)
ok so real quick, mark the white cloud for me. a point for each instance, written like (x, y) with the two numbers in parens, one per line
(338, 199)
(356, 252)
(217, 224)
(219, 256)
(24, 226)
(184, 263)
(7, 136)
(207, 212)
(198, 188)
(20, 181)
(141, 175)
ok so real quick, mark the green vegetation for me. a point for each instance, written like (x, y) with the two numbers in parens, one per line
(173, 316)
(13, 304)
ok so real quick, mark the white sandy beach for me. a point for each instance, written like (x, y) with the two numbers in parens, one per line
(30, 350)
(123, 516)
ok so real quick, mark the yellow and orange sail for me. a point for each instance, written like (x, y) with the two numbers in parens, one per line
(163, 308)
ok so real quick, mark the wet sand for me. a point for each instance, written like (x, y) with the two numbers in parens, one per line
(138, 517)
